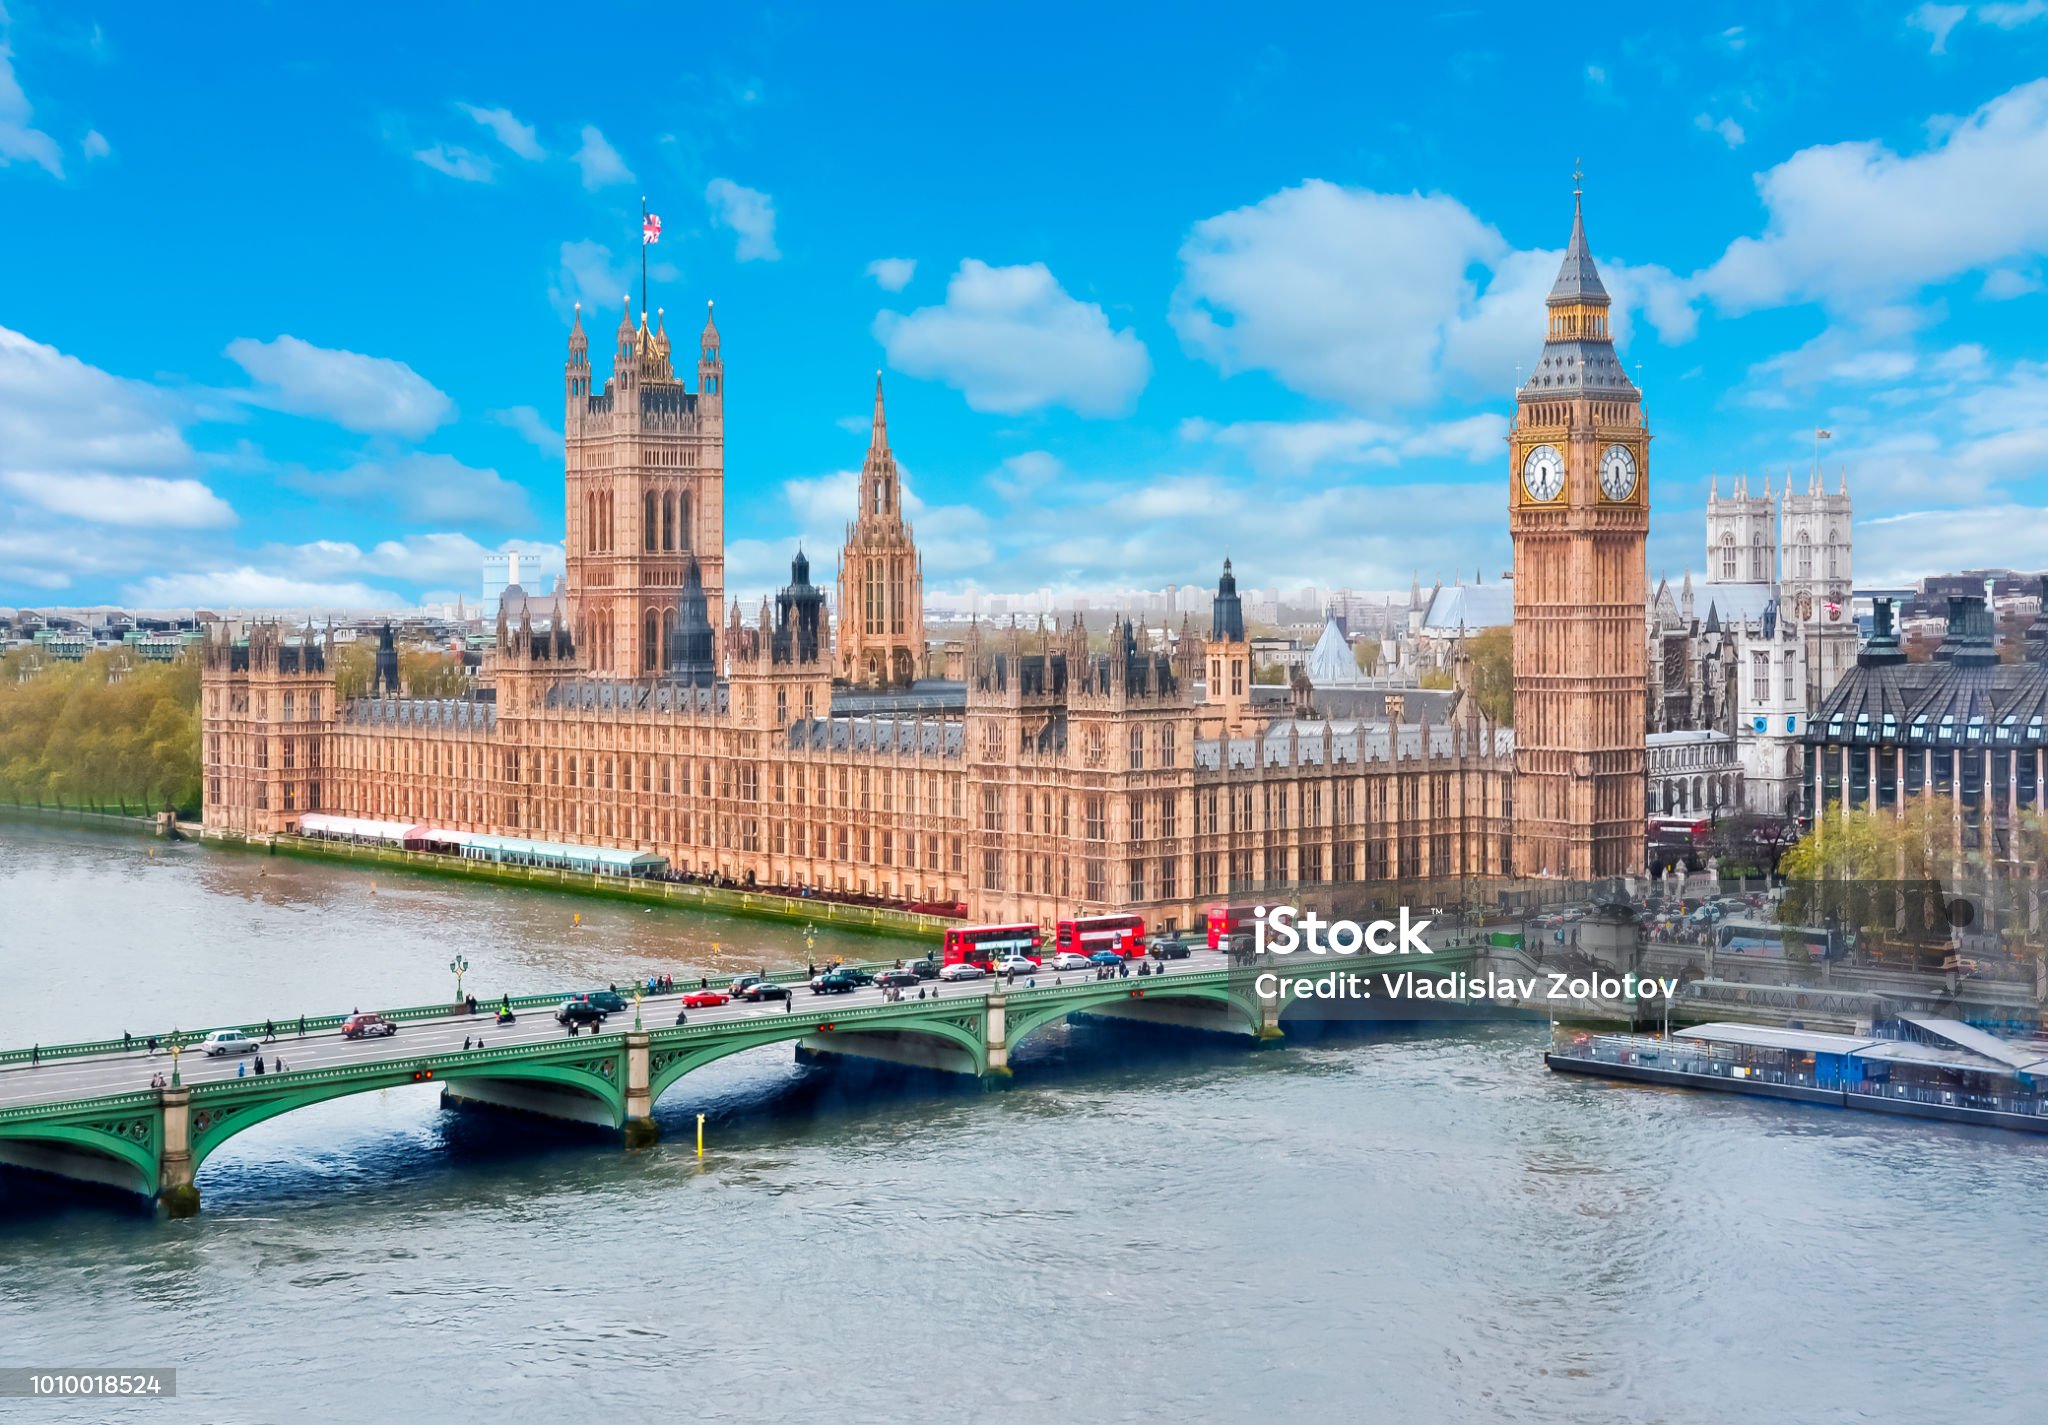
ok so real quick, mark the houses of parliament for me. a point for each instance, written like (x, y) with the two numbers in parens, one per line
(793, 746)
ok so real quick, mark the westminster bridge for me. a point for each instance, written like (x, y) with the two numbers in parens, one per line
(78, 1112)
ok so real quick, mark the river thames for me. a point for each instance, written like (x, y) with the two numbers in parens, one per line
(1413, 1226)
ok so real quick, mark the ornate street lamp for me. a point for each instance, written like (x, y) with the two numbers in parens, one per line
(458, 967)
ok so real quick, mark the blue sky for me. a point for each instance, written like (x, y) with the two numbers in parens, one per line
(287, 286)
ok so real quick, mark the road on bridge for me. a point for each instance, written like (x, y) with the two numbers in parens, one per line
(67, 1080)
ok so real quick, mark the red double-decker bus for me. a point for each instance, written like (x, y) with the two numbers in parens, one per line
(984, 945)
(1087, 934)
(1226, 921)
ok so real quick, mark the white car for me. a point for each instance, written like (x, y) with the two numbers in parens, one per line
(229, 1041)
(1071, 960)
(963, 971)
(1017, 965)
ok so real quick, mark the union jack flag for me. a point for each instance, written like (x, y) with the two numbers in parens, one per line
(650, 229)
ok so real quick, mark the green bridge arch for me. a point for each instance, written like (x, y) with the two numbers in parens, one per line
(672, 1055)
(215, 1121)
(1025, 1019)
(129, 1139)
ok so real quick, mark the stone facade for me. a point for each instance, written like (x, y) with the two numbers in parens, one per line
(1057, 775)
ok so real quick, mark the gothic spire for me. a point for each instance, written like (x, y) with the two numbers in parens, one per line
(878, 433)
(1578, 280)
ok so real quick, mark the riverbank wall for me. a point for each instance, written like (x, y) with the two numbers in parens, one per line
(927, 930)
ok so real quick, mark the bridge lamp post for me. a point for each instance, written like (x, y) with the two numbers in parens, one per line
(458, 967)
(636, 1008)
(810, 944)
(176, 1050)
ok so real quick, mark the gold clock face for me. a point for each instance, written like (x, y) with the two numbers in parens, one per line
(1543, 473)
(1617, 472)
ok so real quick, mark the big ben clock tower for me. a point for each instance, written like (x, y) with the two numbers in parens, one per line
(1579, 512)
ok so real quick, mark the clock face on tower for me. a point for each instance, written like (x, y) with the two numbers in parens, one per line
(1617, 472)
(1543, 473)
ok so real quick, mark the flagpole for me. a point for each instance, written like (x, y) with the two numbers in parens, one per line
(643, 282)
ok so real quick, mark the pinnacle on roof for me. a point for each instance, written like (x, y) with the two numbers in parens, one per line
(1578, 280)
(878, 433)
(626, 319)
(710, 326)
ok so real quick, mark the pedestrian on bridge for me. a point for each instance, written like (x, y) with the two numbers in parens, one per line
(152, 1045)
(127, 1041)
(241, 1069)
(259, 1063)
(465, 1043)
(277, 1063)
(269, 1030)
(302, 1026)
(35, 1055)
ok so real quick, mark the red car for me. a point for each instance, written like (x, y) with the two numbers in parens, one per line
(367, 1026)
(704, 999)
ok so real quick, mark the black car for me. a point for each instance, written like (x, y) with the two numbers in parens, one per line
(1170, 949)
(578, 1011)
(858, 976)
(924, 969)
(763, 990)
(899, 979)
(610, 1001)
(834, 982)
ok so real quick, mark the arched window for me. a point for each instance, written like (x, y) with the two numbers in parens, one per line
(683, 520)
(1802, 566)
(1728, 558)
(668, 521)
(1758, 574)
(647, 523)
(650, 640)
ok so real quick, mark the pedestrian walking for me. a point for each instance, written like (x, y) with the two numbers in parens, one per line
(152, 1045)
(302, 1026)
(479, 1041)
(269, 1030)
(241, 1069)
(465, 1043)
(127, 1041)
(35, 1055)
(787, 1001)
(277, 1064)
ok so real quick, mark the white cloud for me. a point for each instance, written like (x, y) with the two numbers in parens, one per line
(21, 141)
(1899, 549)
(59, 414)
(1937, 21)
(588, 273)
(1011, 340)
(417, 559)
(1295, 447)
(1850, 222)
(372, 394)
(457, 162)
(506, 128)
(2004, 283)
(1727, 130)
(145, 500)
(427, 488)
(528, 423)
(1026, 474)
(892, 274)
(750, 214)
(2012, 14)
(95, 144)
(247, 587)
(1374, 299)
(599, 161)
